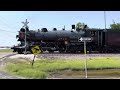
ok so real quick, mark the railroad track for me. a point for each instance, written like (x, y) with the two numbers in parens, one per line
(3, 74)
(76, 54)
(5, 57)
(73, 56)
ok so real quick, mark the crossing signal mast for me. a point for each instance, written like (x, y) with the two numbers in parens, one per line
(26, 26)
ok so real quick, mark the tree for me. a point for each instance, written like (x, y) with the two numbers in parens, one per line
(115, 26)
(80, 25)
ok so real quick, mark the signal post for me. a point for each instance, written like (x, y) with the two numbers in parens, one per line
(25, 25)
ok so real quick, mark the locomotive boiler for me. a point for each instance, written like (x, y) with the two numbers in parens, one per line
(51, 40)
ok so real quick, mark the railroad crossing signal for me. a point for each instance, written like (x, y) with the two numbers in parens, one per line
(36, 50)
(25, 25)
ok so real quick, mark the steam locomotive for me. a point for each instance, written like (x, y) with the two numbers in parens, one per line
(103, 40)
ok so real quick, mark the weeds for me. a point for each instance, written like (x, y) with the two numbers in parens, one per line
(42, 68)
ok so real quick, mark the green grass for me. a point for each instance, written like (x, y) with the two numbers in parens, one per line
(43, 68)
(6, 50)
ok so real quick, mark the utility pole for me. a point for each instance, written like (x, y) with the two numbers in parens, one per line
(105, 27)
(25, 25)
(105, 19)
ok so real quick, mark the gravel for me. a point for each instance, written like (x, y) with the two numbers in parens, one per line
(73, 56)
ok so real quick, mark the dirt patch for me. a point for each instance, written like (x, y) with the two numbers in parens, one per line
(92, 74)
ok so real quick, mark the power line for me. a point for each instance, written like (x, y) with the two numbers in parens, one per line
(4, 36)
(10, 38)
(6, 23)
(6, 31)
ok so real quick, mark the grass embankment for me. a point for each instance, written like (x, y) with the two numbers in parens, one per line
(43, 68)
(6, 50)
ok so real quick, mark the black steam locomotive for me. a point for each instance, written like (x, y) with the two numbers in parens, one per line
(103, 40)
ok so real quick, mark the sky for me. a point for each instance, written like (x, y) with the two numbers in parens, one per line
(10, 21)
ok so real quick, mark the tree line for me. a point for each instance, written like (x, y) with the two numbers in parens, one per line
(80, 25)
